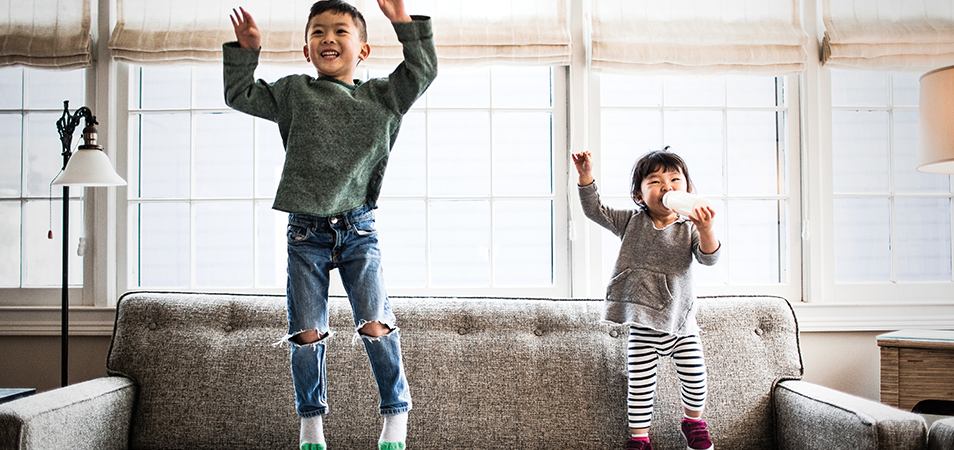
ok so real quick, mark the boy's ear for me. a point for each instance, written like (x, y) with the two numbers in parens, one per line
(365, 51)
(305, 51)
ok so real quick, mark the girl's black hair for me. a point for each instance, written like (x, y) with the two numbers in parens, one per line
(654, 161)
(339, 7)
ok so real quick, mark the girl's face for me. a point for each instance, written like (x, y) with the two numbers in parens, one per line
(657, 184)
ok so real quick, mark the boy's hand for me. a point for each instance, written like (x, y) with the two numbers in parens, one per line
(246, 32)
(394, 10)
(584, 167)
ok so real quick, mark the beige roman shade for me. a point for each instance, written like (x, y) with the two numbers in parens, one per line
(45, 33)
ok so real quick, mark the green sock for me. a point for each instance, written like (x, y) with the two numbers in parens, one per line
(312, 447)
(391, 446)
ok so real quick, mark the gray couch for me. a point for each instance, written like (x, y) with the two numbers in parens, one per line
(199, 371)
(942, 435)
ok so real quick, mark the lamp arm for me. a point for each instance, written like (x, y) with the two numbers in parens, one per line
(67, 124)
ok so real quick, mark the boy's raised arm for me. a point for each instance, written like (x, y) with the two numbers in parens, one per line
(394, 10)
(246, 32)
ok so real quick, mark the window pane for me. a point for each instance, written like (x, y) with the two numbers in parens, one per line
(625, 136)
(223, 155)
(907, 177)
(521, 87)
(760, 229)
(209, 88)
(402, 226)
(459, 153)
(523, 243)
(43, 150)
(460, 243)
(862, 249)
(745, 91)
(907, 88)
(697, 137)
(754, 159)
(47, 89)
(859, 88)
(10, 243)
(272, 247)
(407, 165)
(924, 239)
(270, 158)
(162, 233)
(860, 151)
(163, 87)
(694, 91)
(10, 151)
(11, 88)
(460, 88)
(621, 90)
(164, 156)
(42, 256)
(522, 153)
(223, 244)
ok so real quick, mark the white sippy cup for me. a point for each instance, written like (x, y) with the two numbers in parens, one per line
(683, 202)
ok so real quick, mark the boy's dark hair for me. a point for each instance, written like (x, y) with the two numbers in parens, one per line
(652, 162)
(338, 7)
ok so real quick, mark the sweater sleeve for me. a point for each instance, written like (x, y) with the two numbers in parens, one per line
(614, 220)
(413, 76)
(242, 92)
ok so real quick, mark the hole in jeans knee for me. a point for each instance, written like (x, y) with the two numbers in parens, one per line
(308, 337)
(375, 329)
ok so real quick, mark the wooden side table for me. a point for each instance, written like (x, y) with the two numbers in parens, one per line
(916, 365)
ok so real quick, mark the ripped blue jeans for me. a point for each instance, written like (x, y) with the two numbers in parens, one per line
(348, 242)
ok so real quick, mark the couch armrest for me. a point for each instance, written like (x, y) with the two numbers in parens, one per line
(92, 415)
(941, 435)
(811, 416)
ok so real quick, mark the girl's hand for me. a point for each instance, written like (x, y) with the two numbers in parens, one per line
(584, 167)
(246, 32)
(703, 218)
(394, 10)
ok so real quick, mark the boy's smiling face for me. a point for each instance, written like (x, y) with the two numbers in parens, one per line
(334, 46)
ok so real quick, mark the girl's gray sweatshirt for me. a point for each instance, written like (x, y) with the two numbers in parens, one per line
(652, 281)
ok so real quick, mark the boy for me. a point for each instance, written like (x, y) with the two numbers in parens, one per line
(337, 133)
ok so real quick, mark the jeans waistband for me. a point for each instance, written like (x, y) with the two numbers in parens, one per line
(345, 220)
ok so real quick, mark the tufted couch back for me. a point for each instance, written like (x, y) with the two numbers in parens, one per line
(485, 373)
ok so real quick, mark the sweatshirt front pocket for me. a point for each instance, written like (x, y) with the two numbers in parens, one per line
(640, 286)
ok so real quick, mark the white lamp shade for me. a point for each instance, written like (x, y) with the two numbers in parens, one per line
(936, 122)
(89, 167)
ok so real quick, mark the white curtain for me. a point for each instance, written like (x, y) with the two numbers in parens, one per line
(689, 36)
(466, 32)
(45, 33)
(888, 34)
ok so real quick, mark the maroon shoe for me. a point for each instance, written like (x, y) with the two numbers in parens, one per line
(696, 434)
(638, 444)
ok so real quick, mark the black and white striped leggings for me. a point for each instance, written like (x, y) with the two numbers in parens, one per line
(642, 356)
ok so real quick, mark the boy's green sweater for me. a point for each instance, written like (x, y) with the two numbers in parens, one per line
(337, 136)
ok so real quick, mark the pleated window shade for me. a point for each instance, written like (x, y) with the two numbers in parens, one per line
(465, 32)
(45, 33)
(888, 35)
(698, 36)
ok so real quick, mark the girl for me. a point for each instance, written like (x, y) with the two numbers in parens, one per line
(651, 288)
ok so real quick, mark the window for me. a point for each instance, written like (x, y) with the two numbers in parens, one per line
(734, 134)
(31, 101)
(201, 179)
(892, 224)
(468, 200)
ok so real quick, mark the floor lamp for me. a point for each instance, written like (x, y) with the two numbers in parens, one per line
(88, 166)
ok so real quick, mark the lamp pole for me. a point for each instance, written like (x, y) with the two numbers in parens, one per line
(66, 125)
